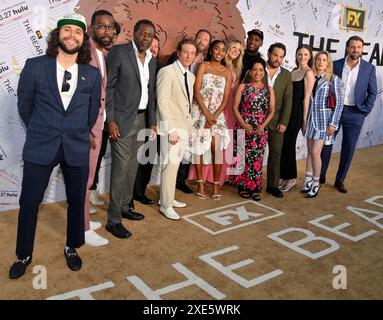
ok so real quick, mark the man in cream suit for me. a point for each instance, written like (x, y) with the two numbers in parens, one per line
(174, 97)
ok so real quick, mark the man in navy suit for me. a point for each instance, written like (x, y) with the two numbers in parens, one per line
(359, 90)
(58, 100)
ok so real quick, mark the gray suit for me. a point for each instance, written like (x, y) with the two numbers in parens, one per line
(122, 101)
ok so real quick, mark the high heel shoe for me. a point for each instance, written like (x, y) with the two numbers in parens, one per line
(216, 196)
(313, 191)
(200, 195)
(307, 186)
(288, 186)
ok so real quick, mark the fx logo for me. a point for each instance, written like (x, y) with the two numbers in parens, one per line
(352, 18)
(233, 216)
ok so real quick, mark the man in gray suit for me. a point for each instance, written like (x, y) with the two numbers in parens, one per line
(130, 107)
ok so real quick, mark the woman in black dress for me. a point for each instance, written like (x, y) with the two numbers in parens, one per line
(303, 82)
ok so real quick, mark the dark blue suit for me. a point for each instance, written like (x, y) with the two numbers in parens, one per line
(352, 117)
(55, 136)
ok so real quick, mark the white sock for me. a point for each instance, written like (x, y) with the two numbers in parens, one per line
(315, 181)
(308, 176)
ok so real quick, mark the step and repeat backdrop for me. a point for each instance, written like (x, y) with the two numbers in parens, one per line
(324, 24)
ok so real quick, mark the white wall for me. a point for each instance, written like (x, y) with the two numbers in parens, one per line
(19, 21)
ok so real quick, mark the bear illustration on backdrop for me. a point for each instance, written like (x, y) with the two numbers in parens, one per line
(174, 19)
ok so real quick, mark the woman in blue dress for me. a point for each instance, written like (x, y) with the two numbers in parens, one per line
(323, 120)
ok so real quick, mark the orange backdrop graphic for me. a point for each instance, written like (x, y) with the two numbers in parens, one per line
(174, 19)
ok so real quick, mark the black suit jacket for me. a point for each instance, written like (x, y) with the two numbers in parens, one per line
(123, 90)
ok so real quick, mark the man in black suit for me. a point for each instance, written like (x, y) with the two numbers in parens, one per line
(202, 39)
(59, 97)
(130, 98)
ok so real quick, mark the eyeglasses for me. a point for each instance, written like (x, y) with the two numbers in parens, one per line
(66, 86)
(104, 28)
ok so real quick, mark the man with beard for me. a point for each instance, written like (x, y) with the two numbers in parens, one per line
(280, 79)
(102, 32)
(58, 101)
(145, 167)
(359, 90)
(253, 43)
(202, 39)
(130, 107)
(94, 197)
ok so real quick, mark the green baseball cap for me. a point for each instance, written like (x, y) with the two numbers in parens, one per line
(72, 18)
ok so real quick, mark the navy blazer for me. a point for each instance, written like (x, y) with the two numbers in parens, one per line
(365, 88)
(47, 123)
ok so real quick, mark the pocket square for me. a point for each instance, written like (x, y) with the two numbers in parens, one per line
(82, 78)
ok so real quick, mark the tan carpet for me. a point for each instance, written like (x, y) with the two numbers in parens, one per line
(158, 243)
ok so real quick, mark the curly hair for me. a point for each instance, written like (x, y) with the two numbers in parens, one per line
(84, 54)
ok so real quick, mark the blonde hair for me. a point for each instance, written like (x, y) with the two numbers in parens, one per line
(237, 62)
(328, 70)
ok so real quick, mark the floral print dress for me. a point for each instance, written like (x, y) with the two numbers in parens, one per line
(250, 148)
(212, 92)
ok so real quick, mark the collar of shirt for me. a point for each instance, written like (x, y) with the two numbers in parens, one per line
(349, 68)
(272, 80)
(321, 75)
(183, 70)
(147, 52)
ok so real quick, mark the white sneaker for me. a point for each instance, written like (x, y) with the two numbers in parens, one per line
(94, 225)
(94, 240)
(92, 209)
(95, 199)
(176, 204)
(170, 213)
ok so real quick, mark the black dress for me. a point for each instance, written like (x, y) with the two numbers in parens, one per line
(288, 157)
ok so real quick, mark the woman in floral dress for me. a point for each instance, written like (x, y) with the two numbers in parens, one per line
(209, 135)
(254, 106)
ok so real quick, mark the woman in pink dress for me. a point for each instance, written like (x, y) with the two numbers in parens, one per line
(233, 60)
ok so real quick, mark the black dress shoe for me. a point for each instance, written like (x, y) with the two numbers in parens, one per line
(118, 230)
(322, 180)
(131, 215)
(340, 186)
(143, 199)
(184, 188)
(72, 259)
(275, 192)
(18, 268)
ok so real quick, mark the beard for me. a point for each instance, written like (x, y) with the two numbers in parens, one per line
(104, 41)
(274, 64)
(355, 56)
(68, 50)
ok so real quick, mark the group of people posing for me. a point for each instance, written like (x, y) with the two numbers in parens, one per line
(210, 113)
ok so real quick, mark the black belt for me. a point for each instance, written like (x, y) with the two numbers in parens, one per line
(141, 111)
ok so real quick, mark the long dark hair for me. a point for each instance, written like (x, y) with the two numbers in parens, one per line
(212, 45)
(84, 54)
(311, 60)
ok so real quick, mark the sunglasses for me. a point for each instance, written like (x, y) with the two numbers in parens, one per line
(66, 86)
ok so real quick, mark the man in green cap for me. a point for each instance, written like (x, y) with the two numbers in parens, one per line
(58, 101)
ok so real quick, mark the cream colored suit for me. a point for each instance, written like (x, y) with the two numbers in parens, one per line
(172, 114)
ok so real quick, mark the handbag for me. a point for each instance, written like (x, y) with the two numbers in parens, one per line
(331, 103)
